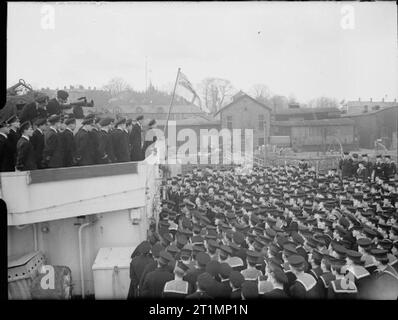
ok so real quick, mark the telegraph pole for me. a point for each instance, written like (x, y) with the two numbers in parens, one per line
(146, 74)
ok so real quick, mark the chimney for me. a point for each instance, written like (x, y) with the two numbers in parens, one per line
(370, 99)
(359, 99)
(395, 100)
(382, 100)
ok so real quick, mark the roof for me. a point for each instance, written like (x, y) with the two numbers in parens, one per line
(382, 104)
(308, 123)
(194, 121)
(163, 108)
(241, 96)
(371, 112)
(306, 111)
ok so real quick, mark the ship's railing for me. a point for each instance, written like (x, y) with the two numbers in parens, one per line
(52, 194)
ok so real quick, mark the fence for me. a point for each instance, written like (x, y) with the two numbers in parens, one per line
(321, 164)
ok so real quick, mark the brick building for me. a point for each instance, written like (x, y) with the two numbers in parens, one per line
(377, 124)
(312, 129)
(364, 106)
(244, 112)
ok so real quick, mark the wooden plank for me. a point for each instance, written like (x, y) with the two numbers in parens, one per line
(71, 173)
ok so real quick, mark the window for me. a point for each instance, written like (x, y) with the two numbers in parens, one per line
(229, 122)
(261, 122)
(159, 110)
(261, 142)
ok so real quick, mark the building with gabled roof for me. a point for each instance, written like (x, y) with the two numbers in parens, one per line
(245, 112)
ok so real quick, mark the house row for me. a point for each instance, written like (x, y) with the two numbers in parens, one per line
(302, 129)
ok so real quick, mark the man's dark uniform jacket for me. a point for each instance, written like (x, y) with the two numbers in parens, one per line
(94, 136)
(70, 148)
(30, 112)
(154, 282)
(10, 151)
(53, 153)
(136, 143)
(25, 155)
(37, 141)
(84, 152)
(120, 142)
(3, 149)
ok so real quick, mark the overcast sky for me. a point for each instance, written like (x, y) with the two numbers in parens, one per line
(294, 48)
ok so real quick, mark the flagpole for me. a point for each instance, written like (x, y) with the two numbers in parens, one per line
(168, 114)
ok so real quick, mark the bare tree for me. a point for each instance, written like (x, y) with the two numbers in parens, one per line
(116, 86)
(292, 99)
(324, 102)
(216, 92)
(261, 93)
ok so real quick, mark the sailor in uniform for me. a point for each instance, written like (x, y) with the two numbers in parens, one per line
(251, 273)
(155, 280)
(203, 282)
(201, 259)
(178, 288)
(383, 283)
(355, 269)
(137, 267)
(236, 279)
(305, 285)
(343, 287)
(278, 280)
(224, 274)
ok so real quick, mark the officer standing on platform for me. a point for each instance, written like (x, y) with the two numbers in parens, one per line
(36, 109)
(94, 138)
(136, 140)
(37, 141)
(120, 141)
(53, 153)
(55, 105)
(84, 153)
(10, 156)
(148, 133)
(105, 146)
(69, 142)
(4, 130)
(25, 153)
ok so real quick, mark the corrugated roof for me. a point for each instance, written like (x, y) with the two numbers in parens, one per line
(242, 95)
(191, 122)
(306, 111)
(382, 104)
(305, 123)
(161, 109)
(371, 112)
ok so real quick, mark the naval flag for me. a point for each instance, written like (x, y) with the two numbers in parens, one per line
(189, 92)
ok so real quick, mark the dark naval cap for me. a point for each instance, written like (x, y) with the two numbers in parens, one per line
(120, 121)
(296, 261)
(54, 119)
(62, 94)
(105, 122)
